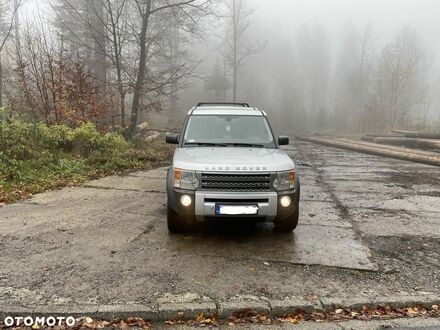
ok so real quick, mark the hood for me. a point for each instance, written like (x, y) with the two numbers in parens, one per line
(232, 159)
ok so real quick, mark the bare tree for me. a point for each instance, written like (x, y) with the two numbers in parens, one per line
(54, 86)
(239, 46)
(105, 32)
(353, 75)
(117, 20)
(17, 26)
(313, 56)
(173, 43)
(402, 74)
(82, 24)
(148, 10)
(2, 38)
(365, 67)
(96, 12)
(218, 83)
(6, 27)
(143, 42)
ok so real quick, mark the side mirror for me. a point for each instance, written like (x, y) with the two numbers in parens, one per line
(283, 140)
(172, 139)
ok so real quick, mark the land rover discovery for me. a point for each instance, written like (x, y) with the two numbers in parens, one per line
(228, 165)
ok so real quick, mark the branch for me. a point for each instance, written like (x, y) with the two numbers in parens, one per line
(167, 6)
(11, 24)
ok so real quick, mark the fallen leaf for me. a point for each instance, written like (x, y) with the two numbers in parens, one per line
(411, 311)
(339, 311)
(291, 319)
(312, 298)
(88, 320)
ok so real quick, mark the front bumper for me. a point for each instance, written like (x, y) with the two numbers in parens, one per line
(203, 206)
(205, 203)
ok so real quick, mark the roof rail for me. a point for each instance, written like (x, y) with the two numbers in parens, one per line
(244, 105)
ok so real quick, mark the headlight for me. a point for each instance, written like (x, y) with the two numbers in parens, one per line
(285, 180)
(185, 179)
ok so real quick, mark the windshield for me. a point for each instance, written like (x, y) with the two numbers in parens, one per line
(218, 130)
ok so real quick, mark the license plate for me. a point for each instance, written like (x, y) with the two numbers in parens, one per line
(236, 209)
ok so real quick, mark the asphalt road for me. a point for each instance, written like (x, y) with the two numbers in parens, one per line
(369, 226)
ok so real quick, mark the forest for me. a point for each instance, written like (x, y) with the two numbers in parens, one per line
(80, 80)
(115, 62)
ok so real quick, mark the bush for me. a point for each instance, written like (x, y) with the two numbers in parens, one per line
(37, 157)
(32, 152)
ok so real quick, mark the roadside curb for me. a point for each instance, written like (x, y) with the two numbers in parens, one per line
(185, 311)
(181, 310)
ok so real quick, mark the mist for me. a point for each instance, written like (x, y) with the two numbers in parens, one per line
(273, 78)
(314, 66)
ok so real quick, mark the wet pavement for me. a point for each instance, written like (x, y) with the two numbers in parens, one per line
(368, 226)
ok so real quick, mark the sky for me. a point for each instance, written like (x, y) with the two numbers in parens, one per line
(385, 16)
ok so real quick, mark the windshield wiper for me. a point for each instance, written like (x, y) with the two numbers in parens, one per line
(208, 144)
(252, 145)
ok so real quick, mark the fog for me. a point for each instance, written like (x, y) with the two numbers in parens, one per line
(278, 24)
(345, 66)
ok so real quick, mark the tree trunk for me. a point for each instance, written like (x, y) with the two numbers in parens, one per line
(424, 157)
(234, 64)
(409, 142)
(1, 81)
(174, 48)
(224, 78)
(122, 107)
(17, 28)
(116, 40)
(141, 70)
(100, 44)
(412, 134)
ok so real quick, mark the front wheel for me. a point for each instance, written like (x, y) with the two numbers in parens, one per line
(176, 222)
(288, 224)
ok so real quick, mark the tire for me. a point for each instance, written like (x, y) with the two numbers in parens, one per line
(176, 223)
(289, 224)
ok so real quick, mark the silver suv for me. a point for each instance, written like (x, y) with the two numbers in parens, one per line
(228, 165)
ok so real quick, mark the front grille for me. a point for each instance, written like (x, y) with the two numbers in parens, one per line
(236, 182)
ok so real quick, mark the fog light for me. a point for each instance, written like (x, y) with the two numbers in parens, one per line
(285, 201)
(185, 200)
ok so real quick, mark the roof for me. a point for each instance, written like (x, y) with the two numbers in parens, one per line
(226, 110)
